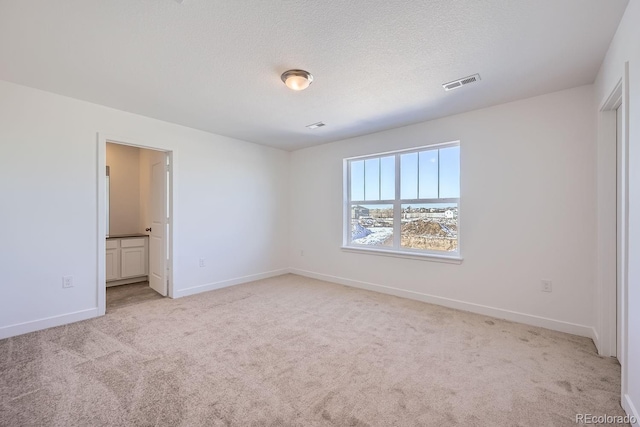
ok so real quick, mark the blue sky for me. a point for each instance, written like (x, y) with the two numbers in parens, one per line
(421, 176)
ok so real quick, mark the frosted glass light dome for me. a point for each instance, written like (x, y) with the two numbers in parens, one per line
(297, 79)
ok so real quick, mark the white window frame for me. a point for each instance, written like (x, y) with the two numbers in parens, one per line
(397, 250)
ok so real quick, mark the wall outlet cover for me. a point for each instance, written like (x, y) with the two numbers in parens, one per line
(67, 281)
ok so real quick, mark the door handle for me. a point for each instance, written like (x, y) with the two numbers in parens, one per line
(148, 229)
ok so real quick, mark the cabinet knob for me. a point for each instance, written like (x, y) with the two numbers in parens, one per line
(147, 229)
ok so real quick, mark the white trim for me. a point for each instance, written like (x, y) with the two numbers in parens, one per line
(423, 256)
(47, 322)
(609, 310)
(624, 231)
(630, 408)
(346, 196)
(609, 268)
(514, 316)
(179, 293)
(614, 99)
(606, 268)
(101, 232)
(406, 150)
(170, 222)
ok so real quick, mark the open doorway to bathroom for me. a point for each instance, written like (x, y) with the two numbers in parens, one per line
(137, 224)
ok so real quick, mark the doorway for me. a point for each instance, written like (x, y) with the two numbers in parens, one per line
(611, 230)
(134, 222)
(612, 223)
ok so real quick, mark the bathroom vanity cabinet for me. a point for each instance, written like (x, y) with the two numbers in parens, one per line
(127, 259)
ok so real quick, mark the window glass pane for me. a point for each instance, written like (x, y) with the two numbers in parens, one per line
(372, 179)
(357, 180)
(450, 172)
(428, 179)
(388, 178)
(432, 226)
(372, 225)
(428, 174)
(409, 176)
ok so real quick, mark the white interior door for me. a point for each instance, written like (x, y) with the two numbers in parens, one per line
(157, 236)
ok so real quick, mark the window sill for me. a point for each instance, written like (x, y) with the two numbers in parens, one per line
(449, 259)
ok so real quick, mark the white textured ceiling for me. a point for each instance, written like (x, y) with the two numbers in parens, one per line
(215, 65)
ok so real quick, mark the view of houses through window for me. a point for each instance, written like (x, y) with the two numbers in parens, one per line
(405, 201)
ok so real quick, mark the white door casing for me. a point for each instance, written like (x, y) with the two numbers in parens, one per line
(162, 154)
(619, 239)
(611, 232)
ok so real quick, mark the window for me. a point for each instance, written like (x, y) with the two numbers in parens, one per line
(404, 201)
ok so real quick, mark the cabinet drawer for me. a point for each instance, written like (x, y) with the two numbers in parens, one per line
(131, 243)
(112, 244)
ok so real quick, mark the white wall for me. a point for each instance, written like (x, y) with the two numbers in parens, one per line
(228, 205)
(625, 48)
(534, 158)
(124, 197)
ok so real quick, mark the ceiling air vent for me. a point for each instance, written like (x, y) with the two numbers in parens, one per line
(315, 125)
(461, 82)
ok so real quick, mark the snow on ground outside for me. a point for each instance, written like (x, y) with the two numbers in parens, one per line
(377, 237)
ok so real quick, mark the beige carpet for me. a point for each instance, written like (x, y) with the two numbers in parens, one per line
(291, 351)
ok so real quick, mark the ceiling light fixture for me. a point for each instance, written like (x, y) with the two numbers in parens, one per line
(297, 79)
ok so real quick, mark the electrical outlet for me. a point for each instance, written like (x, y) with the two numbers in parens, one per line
(545, 286)
(301, 252)
(202, 263)
(67, 281)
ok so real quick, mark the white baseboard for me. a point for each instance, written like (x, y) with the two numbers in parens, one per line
(630, 409)
(529, 319)
(63, 319)
(226, 283)
(572, 328)
(48, 322)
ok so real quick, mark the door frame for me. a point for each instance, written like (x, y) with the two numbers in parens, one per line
(610, 231)
(613, 263)
(102, 140)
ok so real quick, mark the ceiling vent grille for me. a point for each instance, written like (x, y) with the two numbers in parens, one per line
(315, 125)
(461, 82)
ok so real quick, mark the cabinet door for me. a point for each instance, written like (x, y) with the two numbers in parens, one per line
(112, 265)
(133, 262)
